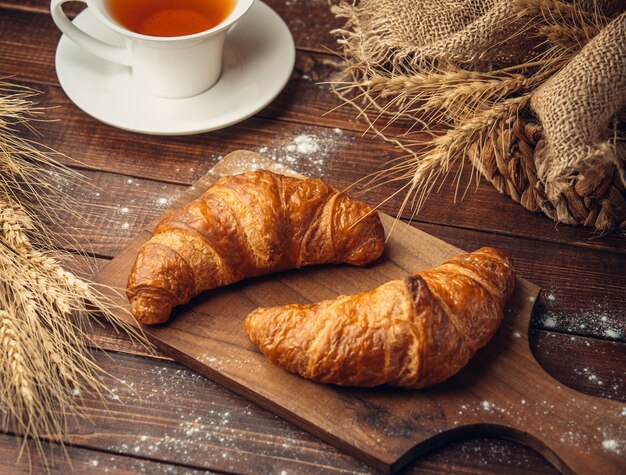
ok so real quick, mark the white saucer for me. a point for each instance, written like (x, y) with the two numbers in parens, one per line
(259, 56)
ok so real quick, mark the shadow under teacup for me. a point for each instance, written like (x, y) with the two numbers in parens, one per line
(166, 66)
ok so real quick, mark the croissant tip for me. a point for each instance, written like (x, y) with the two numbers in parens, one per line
(148, 314)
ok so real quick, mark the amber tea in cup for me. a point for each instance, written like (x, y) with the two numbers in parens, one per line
(169, 17)
(173, 48)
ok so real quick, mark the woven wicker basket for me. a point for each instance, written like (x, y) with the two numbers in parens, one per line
(597, 199)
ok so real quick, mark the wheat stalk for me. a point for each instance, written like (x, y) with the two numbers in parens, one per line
(556, 11)
(466, 101)
(570, 37)
(45, 310)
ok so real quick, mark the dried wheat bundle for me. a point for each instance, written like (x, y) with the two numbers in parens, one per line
(443, 82)
(45, 310)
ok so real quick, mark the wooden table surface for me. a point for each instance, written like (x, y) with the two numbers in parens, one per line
(163, 418)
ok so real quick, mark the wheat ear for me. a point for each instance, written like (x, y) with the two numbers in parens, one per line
(45, 310)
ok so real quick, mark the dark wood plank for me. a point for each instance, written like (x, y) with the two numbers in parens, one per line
(583, 292)
(341, 158)
(207, 336)
(344, 156)
(304, 96)
(309, 21)
(596, 370)
(165, 413)
(567, 306)
(79, 460)
(578, 295)
(597, 367)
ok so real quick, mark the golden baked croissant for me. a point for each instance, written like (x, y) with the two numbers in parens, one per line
(248, 225)
(413, 332)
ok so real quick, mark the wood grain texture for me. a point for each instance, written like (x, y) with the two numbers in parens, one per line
(596, 370)
(588, 287)
(118, 207)
(309, 22)
(503, 391)
(79, 461)
(160, 411)
(97, 146)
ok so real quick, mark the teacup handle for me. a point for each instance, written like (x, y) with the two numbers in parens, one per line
(96, 47)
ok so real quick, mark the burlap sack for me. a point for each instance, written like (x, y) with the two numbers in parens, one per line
(379, 33)
(577, 107)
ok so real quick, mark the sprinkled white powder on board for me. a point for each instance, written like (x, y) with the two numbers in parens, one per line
(551, 297)
(283, 472)
(517, 335)
(129, 181)
(143, 438)
(486, 405)
(93, 463)
(612, 445)
(338, 131)
(75, 392)
(162, 201)
(125, 226)
(624, 411)
(124, 210)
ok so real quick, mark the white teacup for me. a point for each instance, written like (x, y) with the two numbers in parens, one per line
(174, 67)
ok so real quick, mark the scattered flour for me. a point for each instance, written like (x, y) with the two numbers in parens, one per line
(75, 392)
(597, 319)
(612, 333)
(611, 445)
(549, 322)
(487, 406)
(125, 225)
(93, 463)
(304, 144)
(306, 152)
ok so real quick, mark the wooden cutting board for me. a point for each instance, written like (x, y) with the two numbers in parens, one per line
(502, 392)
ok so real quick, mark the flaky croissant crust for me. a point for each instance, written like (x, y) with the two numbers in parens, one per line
(248, 225)
(413, 332)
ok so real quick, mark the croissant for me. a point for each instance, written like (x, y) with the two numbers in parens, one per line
(413, 332)
(244, 226)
